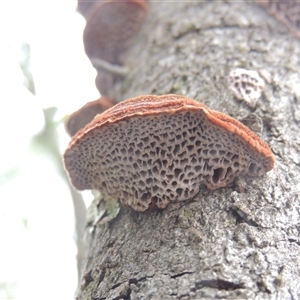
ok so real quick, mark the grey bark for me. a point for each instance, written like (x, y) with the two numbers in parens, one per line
(239, 242)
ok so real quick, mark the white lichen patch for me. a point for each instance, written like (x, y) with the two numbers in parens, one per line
(246, 85)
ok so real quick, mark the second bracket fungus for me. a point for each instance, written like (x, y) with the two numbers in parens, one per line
(160, 149)
(111, 27)
(109, 32)
(80, 118)
(246, 85)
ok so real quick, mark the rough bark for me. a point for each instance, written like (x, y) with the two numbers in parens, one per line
(239, 242)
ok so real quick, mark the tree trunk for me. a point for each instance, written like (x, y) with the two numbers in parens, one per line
(239, 242)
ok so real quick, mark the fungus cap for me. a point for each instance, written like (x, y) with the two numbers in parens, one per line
(80, 118)
(158, 149)
(110, 28)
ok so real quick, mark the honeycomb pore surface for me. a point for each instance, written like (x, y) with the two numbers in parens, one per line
(157, 159)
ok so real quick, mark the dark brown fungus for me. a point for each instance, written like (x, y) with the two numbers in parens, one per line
(111, 27)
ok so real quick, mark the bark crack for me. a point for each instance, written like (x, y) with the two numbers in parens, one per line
(180, 274)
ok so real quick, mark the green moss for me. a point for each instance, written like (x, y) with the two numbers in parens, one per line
(209, 89)
(187, 214)
(177, 86)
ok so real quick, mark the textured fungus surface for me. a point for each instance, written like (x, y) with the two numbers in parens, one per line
(80, 118)
(158, 149)
(246, 85)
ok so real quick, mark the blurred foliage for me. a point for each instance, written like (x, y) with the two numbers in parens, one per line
(46, 142)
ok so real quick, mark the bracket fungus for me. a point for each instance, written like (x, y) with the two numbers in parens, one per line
(110, 28)
(159, 149)
(80, 118)
(246, 85)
